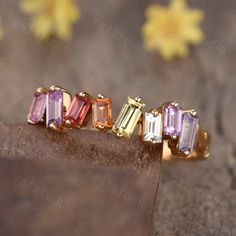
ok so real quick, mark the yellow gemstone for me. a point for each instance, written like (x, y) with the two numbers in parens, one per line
(128, 117)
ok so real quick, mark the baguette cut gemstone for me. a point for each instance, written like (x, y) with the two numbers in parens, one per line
(128, 118)
(37, 108)
(102, 113)
(172, 120)
(188, 133)
(77, 110)
(152, 128)
(54, 107)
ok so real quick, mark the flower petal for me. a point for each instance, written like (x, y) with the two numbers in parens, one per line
(31, 7)
(195, 16)
(153, 11)
(178, 5)
(167, 52)
(73, 12)
(193, 35)
(181, 50)
(42, 27)
(64, 16)
(63, 31)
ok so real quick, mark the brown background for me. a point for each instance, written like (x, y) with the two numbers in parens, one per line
(106, 56)
(84, 183)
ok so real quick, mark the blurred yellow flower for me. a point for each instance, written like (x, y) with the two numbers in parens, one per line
(170, 29)
(1, 29)
(51, 17)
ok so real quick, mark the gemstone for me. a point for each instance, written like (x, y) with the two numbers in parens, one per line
(37, 108)
(128, 117)
(54, 107)
(77, 110)
(152, 127)
(172, 120)
(102, 113)
(188, 133)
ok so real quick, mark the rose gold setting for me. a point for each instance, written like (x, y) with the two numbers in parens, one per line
(201, 145)
(200, 152)
(177, 129)
(87, 95)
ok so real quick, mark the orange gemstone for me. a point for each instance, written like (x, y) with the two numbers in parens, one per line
(102, 113)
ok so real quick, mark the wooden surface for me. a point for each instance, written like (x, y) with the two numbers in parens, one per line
(106, 56)
(80, 183)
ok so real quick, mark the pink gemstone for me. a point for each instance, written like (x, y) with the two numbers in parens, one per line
(77, 110)
(172, 120)
(37, 108)
(54, 107)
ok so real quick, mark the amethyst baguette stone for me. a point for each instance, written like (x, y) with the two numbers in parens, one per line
(54, 108)
(189, 132)
(172, 120)
(37, 108)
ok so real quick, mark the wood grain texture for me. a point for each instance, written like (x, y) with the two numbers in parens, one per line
(79, 183)
(105, 55)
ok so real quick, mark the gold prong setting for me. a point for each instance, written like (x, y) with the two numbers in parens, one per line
(101, 96)
(182, 143)
(57, 103)
(128, 118)
(152, 126)
(178, 127)
(102, 112)
(138, 99)
(78, 110)
(87, 96)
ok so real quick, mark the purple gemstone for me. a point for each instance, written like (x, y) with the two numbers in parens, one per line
(54, 107)
(37, 108)
(188, 133)
(172, 120)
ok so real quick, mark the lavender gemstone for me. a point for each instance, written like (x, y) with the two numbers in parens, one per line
(188, 133)
(54, 108)
(37, 108)
(172, 120)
